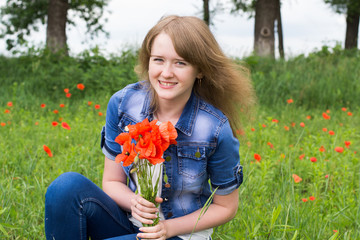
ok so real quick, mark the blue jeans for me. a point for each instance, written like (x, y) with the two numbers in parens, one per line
(76, 208)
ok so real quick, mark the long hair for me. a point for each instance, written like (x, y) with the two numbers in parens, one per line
(225, 84)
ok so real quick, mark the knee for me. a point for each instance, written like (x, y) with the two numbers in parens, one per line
(65, 187)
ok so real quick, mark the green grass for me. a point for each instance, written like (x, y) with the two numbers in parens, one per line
(271, 205)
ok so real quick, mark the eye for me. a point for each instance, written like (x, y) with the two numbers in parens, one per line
(157, 59)
(182, 63)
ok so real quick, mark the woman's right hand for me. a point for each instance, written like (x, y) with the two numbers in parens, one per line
(143, 210)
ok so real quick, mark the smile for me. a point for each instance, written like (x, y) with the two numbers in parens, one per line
(167, 83)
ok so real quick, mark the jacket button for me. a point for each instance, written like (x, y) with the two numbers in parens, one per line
(169, 215)
(167, 185)
(166, 199)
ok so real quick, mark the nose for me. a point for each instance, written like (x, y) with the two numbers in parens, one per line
(167, 71)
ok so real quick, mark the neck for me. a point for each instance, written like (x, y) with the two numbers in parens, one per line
(168, 111)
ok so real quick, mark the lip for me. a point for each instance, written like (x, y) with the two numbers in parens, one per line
(167, 84)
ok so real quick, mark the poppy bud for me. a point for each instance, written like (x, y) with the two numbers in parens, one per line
(136, 159)
(133, 170)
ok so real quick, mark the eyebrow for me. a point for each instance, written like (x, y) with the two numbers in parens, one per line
(178, 59)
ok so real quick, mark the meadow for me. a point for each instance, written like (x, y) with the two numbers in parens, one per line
(300, 150)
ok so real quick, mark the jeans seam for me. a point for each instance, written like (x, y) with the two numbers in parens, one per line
(105, 208)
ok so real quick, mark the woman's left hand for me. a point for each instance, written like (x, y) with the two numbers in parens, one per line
(157, 232)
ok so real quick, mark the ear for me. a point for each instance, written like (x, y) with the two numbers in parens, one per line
(199, 75)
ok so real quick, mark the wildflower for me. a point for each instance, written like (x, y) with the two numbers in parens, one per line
(328, 111)
(65, 125)
(10, 104)
(97, 106)
(56, 111)
(313, 159)
(302, 124)
(293, 124)
(339, 149)
(43, 105)
(100, 113)
(304, 199)
(335, 231)
(290, 101)
(7, 111)
(325, 116)
(286, 128)
(331, 132)
(54, 123)
(322, 149)
(324, 129)
(3, 124)
(349, 113)
(89, 103)
(326, 176)
(62, 105)
(80, 86)
(68, 95)
(257, 157)
(308, 117)
(347, 144)
(301, 156)
(47, 150)
(36, 123)
(66, 90)
(275, 120)
(344, 109)
(311, 198)
(264, 126)
(296, 178)
(240, 132)
(253, 129)
(270, 145)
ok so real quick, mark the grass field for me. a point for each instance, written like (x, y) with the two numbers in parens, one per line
(275, 145)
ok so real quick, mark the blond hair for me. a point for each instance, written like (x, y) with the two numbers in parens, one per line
(225, 84)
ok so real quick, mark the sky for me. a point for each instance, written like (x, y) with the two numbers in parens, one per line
(307, 26)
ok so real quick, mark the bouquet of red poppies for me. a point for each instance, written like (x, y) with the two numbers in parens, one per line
(143, 146)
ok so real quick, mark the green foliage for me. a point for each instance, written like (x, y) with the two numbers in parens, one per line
(328, 77)
(20, 18)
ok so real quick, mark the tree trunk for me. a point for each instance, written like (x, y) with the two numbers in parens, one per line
(206, 12)
(265, 15)
(279, 29)
(352, 29)
(56, 26)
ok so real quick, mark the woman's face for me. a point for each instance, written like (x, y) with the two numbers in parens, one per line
(170, 75)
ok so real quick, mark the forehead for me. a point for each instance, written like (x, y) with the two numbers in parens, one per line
(164, 46)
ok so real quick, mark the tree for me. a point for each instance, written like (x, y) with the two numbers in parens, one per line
(21, 17)
(267, 12)
(352, 10)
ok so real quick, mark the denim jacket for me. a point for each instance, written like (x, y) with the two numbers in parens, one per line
(206, 155)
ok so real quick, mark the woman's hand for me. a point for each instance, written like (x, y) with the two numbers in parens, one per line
(143, 210)
(157, 232)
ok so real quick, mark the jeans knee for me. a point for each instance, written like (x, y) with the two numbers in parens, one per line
(65, 187)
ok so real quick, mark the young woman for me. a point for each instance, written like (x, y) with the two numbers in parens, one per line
(188, 81)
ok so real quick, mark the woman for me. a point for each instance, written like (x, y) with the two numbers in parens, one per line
(191, 83)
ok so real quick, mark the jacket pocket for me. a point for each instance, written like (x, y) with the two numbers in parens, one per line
(192, 161)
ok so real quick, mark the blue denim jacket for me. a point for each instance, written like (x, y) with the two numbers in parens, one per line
(206, 149)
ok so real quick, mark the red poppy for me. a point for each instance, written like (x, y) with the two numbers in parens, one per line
(344, 109)
(301, 156)
(347, 144)
(311, 198)
(308, 117)
(339, 149)
(80, 86)
(302, 124)
(327, 176)
(100, 113)
(296, 178)
(257, 157)
(62, 105)
(65, 125)
(290, 101)
(286, 128)
(66, 90)
(47, 150)
(68, 95)
(331, 132)
(54, 123)
(89, 103)
(7, 111)
(264, 126)
(97, 106)
(168, 133)
(313, 159)
(335, 231)
(253, 129)
(349, 114)
(10, 104)
(325, 116)
(293, 124)
(270, 145)
(304, 199)
(127, 156)
(56, 111)
(324, 129)
(275, 120)
(43, 105)
(3, 124)
(322, 149)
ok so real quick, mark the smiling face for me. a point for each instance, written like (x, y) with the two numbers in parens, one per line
(170, 75)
